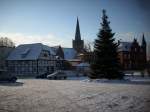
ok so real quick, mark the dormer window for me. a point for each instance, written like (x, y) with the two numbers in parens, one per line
(45, 54)
(25, 52)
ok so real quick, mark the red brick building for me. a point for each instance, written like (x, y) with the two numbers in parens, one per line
(132, 55)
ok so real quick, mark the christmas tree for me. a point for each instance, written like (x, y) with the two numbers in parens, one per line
(106, 63)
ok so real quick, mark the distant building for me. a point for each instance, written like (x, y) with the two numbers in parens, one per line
(132, 55)
(59, 51)
(78, 44)
(32, 59)
(69, 53)
(88, 57)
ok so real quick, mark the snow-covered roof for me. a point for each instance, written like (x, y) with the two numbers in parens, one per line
(124, 46)
(45, 47)
(54, 48)
(69, 53)
(28, 51)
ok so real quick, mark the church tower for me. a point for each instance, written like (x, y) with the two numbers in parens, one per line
(78, 44)
(143, 46)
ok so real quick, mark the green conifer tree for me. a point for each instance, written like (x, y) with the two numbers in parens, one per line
(106, 64)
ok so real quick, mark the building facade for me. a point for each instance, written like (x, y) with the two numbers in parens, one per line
(32, 60)
(132, 55)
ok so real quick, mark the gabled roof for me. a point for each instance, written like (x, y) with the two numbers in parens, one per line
(69, 53)
(28, 51)
(124, 46)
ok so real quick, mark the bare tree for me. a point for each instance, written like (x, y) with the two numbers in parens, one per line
(5, 41)
(88, 47)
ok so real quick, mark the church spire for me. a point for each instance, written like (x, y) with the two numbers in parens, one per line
(77, 33)
(143, 41)
(143, 46)
(78, 44)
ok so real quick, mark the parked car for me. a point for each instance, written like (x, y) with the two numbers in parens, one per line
(58, 75)
(5, 76)
(42, 76)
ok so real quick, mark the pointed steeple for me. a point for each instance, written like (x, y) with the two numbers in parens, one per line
(135, 41)
(143, 41)
(144, 49)
(77, 33)
(78, 44)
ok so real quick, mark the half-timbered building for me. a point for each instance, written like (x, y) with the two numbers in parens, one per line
(32, 59)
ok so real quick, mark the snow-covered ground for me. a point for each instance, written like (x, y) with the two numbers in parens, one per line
(127, 80)
(37, 95)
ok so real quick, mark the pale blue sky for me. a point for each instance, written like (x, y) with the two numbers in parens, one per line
(35, 19)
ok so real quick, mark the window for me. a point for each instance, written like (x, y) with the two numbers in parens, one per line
(45, 55)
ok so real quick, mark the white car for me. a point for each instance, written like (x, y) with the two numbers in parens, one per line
(58, 75)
